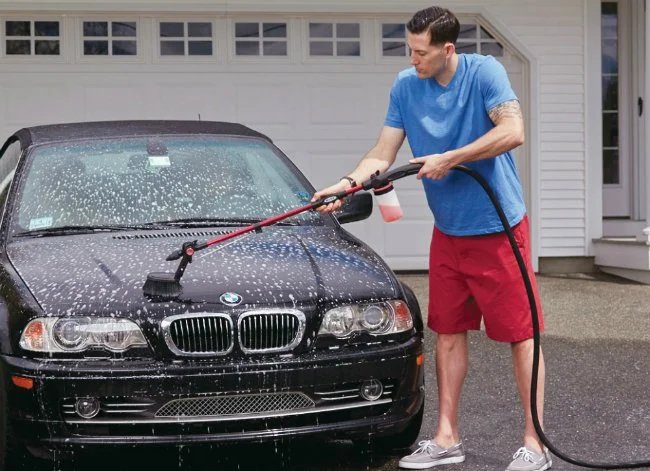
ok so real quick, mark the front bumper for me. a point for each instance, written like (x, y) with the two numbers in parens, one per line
(133, 393)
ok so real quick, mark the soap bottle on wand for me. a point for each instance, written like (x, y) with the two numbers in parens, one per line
(388, 203)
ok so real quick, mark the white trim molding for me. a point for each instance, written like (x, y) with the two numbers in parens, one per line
(593, 127)
(227, 6)
(646, 98)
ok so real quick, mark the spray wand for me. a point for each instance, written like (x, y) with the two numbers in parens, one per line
(167, 285)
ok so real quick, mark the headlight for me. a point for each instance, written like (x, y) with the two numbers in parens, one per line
(382, 318)
(75, 334)
(71, 334)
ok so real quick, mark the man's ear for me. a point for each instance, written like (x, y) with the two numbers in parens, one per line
(449, 49)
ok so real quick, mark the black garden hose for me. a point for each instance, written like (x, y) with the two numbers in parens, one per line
(536, 337)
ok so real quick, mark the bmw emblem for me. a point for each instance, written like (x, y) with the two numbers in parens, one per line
(230, 299)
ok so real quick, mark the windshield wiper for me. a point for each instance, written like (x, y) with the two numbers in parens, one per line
(81, 229)
(204, 222)
(158, 225)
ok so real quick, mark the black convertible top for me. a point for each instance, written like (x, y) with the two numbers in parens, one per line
(107, 129)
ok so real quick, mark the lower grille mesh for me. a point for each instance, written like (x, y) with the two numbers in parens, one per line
(243, 404)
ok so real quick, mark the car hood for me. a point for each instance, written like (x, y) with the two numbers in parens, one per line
(278, 266)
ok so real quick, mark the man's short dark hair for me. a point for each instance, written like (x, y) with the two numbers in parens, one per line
(442, 24)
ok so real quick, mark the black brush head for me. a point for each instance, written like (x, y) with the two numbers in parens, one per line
(162, 285)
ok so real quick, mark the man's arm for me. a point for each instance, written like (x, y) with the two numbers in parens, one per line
(380, 157)
(507, 133)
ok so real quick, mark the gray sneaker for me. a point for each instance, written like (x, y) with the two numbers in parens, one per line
(529, 460)
(430, 454)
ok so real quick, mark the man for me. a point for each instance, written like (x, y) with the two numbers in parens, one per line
(460, 109)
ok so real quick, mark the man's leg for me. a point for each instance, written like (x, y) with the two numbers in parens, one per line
(451, 369)
(522, 359)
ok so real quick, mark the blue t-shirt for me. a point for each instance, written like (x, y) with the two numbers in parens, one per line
(437, 119)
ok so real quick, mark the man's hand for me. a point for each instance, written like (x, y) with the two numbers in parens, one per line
(435, 166)
(330, 190)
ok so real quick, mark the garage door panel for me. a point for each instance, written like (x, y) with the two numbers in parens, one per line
(265, 105)
(273, 109)
(343, 111)
(118, 101)
(356, 106)
(36, 103)
(324, 161)
(327, 169)
(189, 100)
(407, 238)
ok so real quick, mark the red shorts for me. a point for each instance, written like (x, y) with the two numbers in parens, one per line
(474, 277)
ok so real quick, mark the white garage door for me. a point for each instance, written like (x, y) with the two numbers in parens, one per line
(318, 86)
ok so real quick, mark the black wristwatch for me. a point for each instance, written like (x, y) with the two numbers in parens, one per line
(350, 179)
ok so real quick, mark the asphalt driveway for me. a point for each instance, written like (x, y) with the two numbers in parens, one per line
(597, 348)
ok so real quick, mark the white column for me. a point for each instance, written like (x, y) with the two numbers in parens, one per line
(593, 125)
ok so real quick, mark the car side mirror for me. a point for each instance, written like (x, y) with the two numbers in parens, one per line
(355, 208)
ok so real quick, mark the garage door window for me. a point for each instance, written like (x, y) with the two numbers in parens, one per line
(472, 38)
(260, 39)
(27, 38)
(335, 39)
(109, 38)
(393, 40)
(185, 38)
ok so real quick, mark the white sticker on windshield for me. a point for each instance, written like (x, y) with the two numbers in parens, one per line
(40, 223)
(159, 161)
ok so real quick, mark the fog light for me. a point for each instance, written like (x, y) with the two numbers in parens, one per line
(87, 407)
(371, 389)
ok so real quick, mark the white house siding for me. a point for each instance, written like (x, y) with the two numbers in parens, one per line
(553, 32)
(320, 139)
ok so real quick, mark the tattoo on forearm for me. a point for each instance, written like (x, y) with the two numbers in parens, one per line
(507, 109)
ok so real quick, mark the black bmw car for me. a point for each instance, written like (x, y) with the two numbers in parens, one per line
(290, 330)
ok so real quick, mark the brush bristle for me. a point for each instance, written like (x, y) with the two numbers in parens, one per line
(162, 285)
